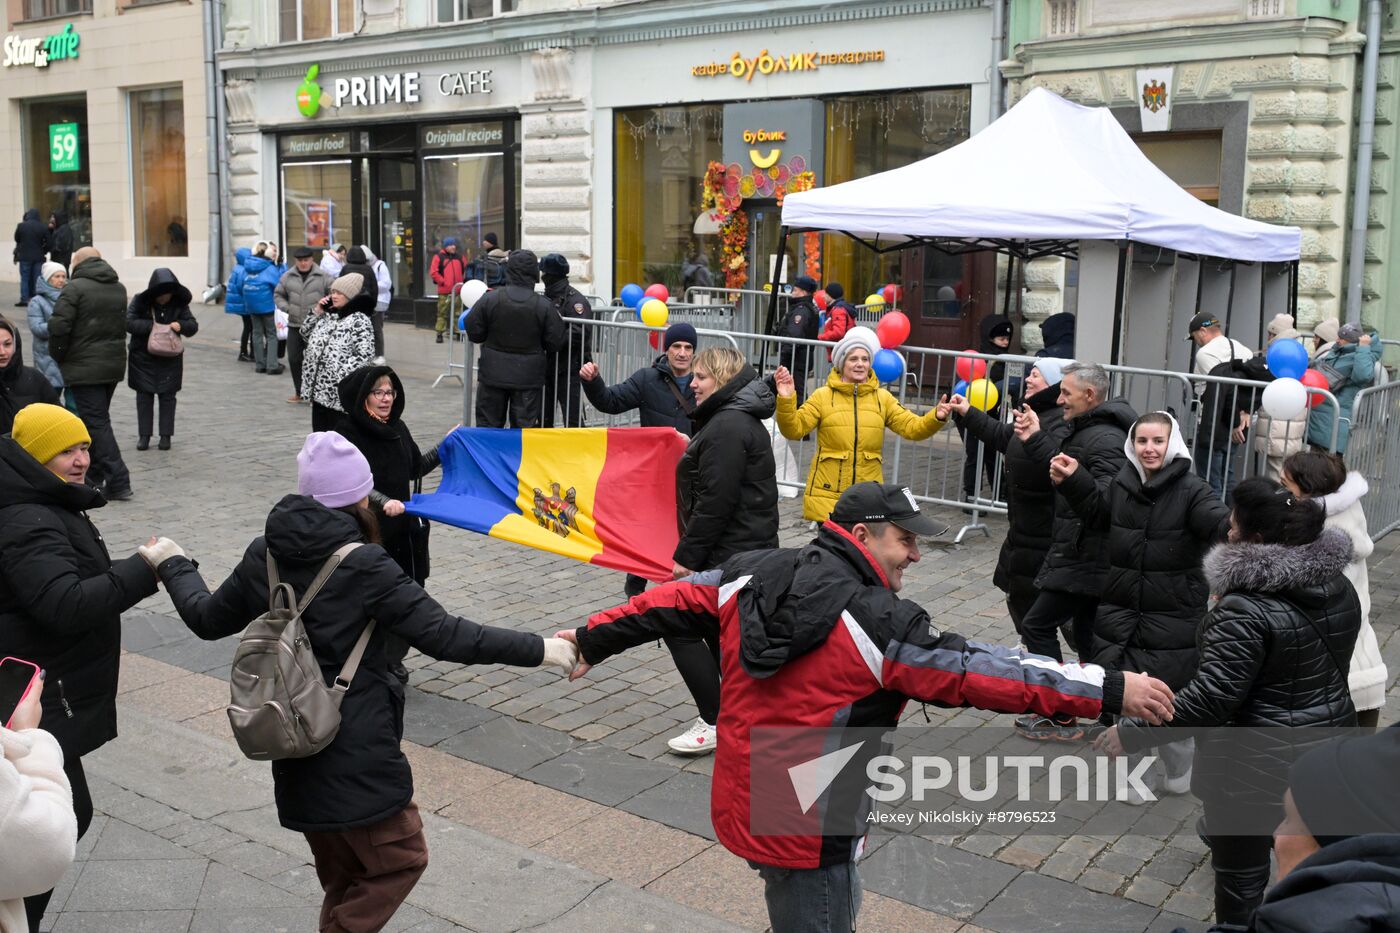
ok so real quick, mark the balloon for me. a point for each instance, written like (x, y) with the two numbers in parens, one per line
(654, 338)
(982, 394)
(874, 302)
(893, 329)
(472, 291)
(961, 388)
(462, 321)
(1314, 380)
(1285, 399)
(632, 295)
(654, 312)
(969, 368)
(1287, 359)
(658, 291)
(888, 366)
(822, 299)
(892, 294)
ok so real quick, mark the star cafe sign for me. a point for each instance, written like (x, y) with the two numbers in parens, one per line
(766, 64)
(39, 52)
(373, 90)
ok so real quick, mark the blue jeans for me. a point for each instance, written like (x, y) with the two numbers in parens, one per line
(1219, 468)
(28, 277)
(811, 900)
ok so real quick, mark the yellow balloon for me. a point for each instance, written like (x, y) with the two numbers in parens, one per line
(982, 395)
(655, 312)
(876, 300)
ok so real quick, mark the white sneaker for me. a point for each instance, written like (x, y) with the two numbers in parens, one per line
(1178, 785)
(699, 739)
(1129, 794)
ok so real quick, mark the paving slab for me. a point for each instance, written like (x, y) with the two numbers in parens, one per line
(936, 877)
(601, 774)
(681, 801)
(428, 718)
(509, 745)
(125, 921)
(1035, 904)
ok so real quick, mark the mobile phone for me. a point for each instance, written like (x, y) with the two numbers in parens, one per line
(17, 678)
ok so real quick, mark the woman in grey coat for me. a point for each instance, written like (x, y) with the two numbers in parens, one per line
(52, 278)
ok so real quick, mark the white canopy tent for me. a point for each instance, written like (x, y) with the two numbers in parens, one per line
(1053, 178)
(1048, 170)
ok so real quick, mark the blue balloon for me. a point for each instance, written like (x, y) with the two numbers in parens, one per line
(1287, 359)
(961, 387)
(462, 321)
(888, 366)
(632, 295)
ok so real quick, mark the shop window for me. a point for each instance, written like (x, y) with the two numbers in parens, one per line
(1192, 160)
(302, 20)
(660, 155)
(56, 163)
(317, 200)
(464, 196)
(875, 133)
(452, 11)
(48, 9)
(158, 172)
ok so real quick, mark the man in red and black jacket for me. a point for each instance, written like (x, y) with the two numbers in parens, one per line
(447, 270)
(816, 638)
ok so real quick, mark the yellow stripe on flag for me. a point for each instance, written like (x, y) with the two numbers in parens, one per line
(559, 470)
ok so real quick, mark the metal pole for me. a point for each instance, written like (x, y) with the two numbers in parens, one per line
(1365, 143)
(212, 131)
(1230, 298)
(773, 295)
(1119, 293)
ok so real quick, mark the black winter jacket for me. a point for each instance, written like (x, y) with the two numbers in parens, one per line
(726, 481)
(653, 390)
(395, 462)
(1351, 886)
(20, 385)
(62, 597)
(1274, 651)
(1222, 404)
(362, 777)
(89, 326)
(578, 345)
(157, 374)
(517, 327)
(1058, 333)
(61, 240)
(31, 238)
(1076, 562)
(1155, 593)
(803, 320)
(1030, 498)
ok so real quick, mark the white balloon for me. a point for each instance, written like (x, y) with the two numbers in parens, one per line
(472, 292)
(1285, 399)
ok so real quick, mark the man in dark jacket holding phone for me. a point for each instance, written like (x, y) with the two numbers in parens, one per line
(518, 329)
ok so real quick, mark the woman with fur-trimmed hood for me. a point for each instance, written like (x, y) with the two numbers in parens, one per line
(1273, 667)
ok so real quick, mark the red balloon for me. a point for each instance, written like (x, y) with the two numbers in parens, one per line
(654, 338)
(821, 298)
(892, 294)
(893, 329)
(970, 368)
(658, 291)
(1314, 380)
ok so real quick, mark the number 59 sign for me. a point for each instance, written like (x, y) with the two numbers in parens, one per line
(63, 147)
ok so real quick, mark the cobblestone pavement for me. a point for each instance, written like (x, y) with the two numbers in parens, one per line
(595, 751)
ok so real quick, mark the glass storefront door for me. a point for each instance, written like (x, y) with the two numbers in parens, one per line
(397, 199)
(317, 203)
(56, 162)
(466, 199)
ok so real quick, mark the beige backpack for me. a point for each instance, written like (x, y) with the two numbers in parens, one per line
(279, 704)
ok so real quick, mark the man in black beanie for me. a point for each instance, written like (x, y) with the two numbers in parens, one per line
(802, 321)
(563, 387)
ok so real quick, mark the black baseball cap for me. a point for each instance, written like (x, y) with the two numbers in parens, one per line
(878, 502)
(303, 252)
(1202, 319)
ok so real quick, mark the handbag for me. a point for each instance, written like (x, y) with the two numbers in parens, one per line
(163, 341)
(1334, 376)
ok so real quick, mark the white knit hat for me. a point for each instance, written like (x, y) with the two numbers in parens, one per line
(855, 337)
(47, 270)
(350, 284)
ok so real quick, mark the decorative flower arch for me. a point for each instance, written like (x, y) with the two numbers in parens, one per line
(724, 191)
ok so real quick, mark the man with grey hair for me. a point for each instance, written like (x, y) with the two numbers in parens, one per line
(1072, 576)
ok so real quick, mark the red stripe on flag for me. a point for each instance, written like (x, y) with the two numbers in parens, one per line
(634, 506)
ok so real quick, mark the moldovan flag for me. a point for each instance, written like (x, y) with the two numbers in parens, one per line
(605, 496)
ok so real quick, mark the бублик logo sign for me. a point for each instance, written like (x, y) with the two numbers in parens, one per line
(309, 93)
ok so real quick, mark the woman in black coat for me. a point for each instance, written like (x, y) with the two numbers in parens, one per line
(373, 399)
(727, 492)
(1274, 652)
(20, 385)
(1030, 498)
(353, 800)
(164, 301)
(61, 595)
(995, 331)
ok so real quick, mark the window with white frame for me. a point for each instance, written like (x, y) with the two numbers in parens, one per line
(302, 20)
(451, 11)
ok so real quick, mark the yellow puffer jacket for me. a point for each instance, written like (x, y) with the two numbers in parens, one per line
(850, 422)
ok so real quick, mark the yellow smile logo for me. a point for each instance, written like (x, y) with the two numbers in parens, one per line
(763, 161)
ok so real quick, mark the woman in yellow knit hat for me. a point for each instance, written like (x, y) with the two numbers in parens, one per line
(61, 596)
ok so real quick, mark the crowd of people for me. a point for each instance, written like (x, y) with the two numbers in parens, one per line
(1190, 599)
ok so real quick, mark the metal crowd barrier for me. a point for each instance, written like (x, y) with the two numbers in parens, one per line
(718, 317)
(453, 313)
(1374, 451)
